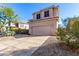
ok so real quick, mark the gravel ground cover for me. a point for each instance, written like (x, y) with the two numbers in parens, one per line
(52, 47)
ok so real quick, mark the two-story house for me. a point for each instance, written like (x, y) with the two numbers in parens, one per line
(44, 21)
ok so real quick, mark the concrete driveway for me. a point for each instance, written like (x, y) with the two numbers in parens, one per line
(21, 46)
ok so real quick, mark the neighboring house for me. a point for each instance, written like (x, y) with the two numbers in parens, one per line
(20, 25)
(23, 25)
(12, 25)
(44, 21)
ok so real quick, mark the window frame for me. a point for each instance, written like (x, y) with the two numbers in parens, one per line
(38, 16)
(46, 13)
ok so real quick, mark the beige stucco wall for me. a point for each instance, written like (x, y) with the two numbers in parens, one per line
(42, 14)
(52, 23)
(53, 12)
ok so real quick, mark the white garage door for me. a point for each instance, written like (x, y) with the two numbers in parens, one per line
(41, 30)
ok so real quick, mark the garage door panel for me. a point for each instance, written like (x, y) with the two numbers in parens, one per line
(41, 30)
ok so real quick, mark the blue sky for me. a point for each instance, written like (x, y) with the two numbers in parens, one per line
(25, 10)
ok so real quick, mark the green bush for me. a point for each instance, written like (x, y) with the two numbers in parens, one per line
(20, 31)
(9, 33)
(68, 38)
(61, 33)
(70, 33)
(74, 45)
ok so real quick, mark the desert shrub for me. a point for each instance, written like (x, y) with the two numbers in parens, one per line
(68, 38)
(70, 33)
(9, 33)
(75, 28)
(74, 44)
(61, 33)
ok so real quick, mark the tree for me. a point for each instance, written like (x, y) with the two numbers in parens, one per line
(10, 14)
(7, 15)
(16, 22)
(3, 21)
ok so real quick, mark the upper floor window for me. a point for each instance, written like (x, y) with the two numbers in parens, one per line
(46, 13)
(38, 16)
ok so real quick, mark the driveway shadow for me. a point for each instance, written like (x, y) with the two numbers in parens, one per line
(20, 52)
(21, 36)
(23, 52)
(24, 35)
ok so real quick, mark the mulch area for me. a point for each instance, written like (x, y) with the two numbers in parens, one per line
(52, 47)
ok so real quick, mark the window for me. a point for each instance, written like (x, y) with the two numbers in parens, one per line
(46, 13)
(38, 16)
